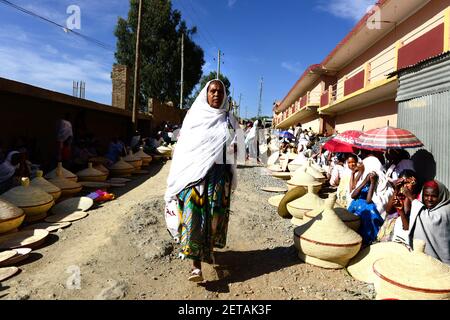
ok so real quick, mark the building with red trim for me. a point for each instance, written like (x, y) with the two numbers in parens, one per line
(351, 87)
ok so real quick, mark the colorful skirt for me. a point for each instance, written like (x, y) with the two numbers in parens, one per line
(205, 208)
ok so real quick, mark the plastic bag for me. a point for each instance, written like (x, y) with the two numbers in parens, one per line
(173, 219)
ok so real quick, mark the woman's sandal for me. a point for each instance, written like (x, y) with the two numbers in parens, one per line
(196, 275)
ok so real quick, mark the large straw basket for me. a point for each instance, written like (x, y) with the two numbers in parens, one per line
(352, 221)
(326, 241)
(33, 201)
(291, 195)
(302, 178)
(135, 161)
(11, 217)
(412, 276)
(146, 159)
(91, 174)
(121, 169)
(360, 266)
(45, 185)
(64, 172)
(68, 187)
(302, 205)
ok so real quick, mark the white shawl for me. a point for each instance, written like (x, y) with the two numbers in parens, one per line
(200, 144)
(7, 170)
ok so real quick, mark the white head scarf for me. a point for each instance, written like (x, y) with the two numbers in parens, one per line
(383, 189)
(252, 133)
(200, 143)
(64, 130)
(6, 168)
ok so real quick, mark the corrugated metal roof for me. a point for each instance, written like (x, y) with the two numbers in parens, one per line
(418, 65)
(429, 77)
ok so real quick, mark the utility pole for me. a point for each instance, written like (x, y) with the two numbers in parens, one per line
(218, 64)
(182, 70)
(136, 68)
(260, 98)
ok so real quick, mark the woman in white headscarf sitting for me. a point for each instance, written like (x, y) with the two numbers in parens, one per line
(370, 197)
(202, 176)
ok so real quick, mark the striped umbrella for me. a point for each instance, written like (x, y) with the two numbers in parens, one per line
(388, 138)
(348, 137)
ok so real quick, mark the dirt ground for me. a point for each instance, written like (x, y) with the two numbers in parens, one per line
(123, 251)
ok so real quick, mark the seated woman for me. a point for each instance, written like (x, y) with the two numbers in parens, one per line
(12, 169)
(116, 149)
(369, 198)
(430, 220)
(399, 206)
(344, 188)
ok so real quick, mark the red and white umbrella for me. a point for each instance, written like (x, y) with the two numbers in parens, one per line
(348, 137)
(388, 138)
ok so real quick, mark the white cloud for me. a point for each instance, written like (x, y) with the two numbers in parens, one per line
(292, 67)
(231, 3)
(347, 9)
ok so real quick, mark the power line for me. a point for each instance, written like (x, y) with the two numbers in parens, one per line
(87, 38)
(198, 16)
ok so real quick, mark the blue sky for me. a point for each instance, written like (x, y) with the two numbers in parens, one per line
(273, 39)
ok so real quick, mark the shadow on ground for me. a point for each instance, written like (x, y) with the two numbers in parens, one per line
(240, 266)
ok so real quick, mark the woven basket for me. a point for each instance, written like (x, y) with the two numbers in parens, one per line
(135, 161)
(360, 266)
(67, 217)
(65, 173)
(68, 187)
(291, 195)
(275, 200)
(302, 178)
(273, 158)
(282, 175)
(91, 174)
(146, 159)
(45, 185)
(302, 205)
(33, 201)
(50, 227)
(6, 273)
(121, 168)
(326, 241)
(275, 168)
(412, 276)
(101, 167)
(11, 224)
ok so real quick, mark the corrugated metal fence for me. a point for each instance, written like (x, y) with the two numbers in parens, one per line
(424, 109)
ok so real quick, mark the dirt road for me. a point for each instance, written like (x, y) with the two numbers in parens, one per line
(123, 251)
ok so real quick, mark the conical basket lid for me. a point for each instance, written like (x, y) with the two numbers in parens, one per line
(101, 167)
(131, 157)
(329, 229)
(312, 171)
(121, 165)
(141, 154)
(63, 183)
(341, 212)
(360, 266)
(42, 183)
(90, 171)
(317, 167)
(65, 173)
(27, 196)
(309, 201)
(415, 270)
(302, 178)
(8, 210)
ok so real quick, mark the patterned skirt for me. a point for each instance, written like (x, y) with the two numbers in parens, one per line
(205, 208)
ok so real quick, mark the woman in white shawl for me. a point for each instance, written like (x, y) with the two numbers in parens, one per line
(201, 176)
(370, 198)
(430, 220)
(251, 141)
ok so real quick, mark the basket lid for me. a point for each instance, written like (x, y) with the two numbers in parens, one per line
(101, 167)
(312, 171)
(72, 205)
(273, 158)
(302, 178)
(26, 195)
(327, 228)
(9, 210)
(275, 168)
(291, 195)
(42, 183)
(7, 272)
(121, 165)
(64, 172)
(21, 239)
(340, 211)
(8, 254)
(90, 171)
(141, 154)
(415, 270)
(360, 266)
